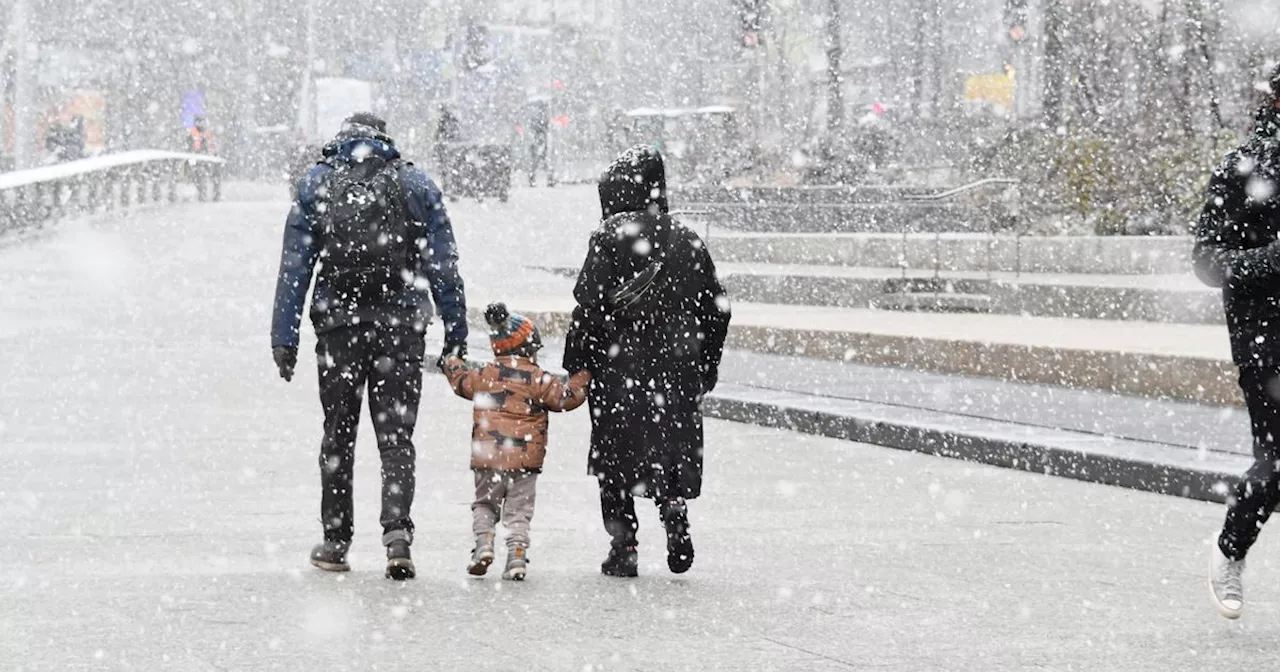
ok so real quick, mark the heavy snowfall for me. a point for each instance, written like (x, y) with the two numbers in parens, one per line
(683, 335)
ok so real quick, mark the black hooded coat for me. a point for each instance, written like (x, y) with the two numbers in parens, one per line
(650, 365)
(1236, 244)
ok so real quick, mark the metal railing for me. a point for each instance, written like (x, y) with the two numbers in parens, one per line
(30, 198)
(1009, 218)
(952, 193)
(694, 216)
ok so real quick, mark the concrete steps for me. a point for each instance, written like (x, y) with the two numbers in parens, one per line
(933, 302)
(1157, 298)
(1172, 361)
(1165, 298)
(1105, 255)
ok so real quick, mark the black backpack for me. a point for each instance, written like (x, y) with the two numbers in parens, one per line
(365, 225)
(642, 296)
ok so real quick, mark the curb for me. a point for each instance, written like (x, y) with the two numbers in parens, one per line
(1151, 468)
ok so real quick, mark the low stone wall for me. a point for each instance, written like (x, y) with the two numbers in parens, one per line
(1137, 255)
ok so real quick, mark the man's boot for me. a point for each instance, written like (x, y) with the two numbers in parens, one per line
(399, 563)
(331, 556)
(482, 556)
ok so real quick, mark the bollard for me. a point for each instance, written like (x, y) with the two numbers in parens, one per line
(37, 211)
(215, 175)
(56, 208)
(76, 194)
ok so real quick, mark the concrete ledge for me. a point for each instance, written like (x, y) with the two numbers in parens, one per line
(1110, 255)
(1009, 297)
(1183, 377)
(842, 218)
(1197, 306)
(795, 195)
(1137, 465)
(1207, 381)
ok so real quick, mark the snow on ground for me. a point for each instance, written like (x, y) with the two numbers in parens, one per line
(158, 496)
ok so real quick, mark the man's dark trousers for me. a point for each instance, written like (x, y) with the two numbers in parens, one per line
(389, 363)
(1258, 492)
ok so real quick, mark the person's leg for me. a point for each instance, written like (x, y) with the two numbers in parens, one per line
(618, 509)
(517, 510)
(340, 359)
(395, 388)
(675, 521)
(487, 507)
(1258, 492)
(485, 510)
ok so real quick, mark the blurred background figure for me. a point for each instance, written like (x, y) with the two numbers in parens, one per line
(536, 131)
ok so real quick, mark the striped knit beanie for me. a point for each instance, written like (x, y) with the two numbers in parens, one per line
(511, 334)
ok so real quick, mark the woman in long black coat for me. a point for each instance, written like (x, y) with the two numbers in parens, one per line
(650, 325)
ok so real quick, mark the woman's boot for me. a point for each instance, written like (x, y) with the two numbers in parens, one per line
(623, 562)
(675, 518)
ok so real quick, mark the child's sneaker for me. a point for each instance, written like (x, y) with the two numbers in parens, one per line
(399, 563)
(517, 563)
(623, 562)
(331, 556)
(482, 556)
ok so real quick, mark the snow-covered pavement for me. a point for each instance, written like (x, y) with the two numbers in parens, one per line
(159, 493)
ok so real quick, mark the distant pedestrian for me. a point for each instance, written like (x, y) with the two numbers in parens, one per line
(509, 440)
(200, 138)
(379, 228)
(650, 325)
(207, 175)
(539, 131)
(1236, 248)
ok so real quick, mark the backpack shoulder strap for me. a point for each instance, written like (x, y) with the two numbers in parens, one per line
(400, 193)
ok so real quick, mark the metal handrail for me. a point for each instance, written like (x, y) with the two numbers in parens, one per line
(937, 237)
(677, 213)
(80, 167)
(950, 193)
(33, 196)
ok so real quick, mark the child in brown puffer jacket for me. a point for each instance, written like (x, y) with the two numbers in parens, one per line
(509, 441)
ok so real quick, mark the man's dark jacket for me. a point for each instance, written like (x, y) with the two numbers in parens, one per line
(433, 272)
(1235, 243)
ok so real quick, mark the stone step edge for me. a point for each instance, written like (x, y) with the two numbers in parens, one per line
(1060, 453)
(1178, 377)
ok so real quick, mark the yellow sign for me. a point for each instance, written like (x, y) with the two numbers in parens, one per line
(995, 88)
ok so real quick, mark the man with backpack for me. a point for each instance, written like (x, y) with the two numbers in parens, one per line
(379, 229)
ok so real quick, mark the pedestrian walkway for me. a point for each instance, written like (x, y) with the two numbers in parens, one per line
(159, 494)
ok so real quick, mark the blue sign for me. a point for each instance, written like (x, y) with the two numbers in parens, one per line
(192, 107)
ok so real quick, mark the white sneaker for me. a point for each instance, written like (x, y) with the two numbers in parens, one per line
(1226, 586)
